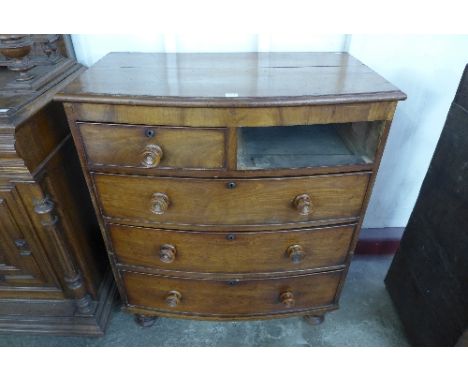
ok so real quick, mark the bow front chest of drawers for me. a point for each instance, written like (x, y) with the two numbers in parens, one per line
(230, 186)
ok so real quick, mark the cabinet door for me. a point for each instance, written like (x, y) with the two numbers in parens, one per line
(18, 264)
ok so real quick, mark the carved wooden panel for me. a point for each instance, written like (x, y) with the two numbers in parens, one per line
(18, 265)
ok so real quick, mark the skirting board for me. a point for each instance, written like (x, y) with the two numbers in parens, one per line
(379, 241)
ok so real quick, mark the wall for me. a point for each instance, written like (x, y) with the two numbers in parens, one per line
(90, 48)
(427, 68)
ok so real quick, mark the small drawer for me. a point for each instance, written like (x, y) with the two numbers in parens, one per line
(231, 297)
(153, 146)
(235, 252)
(231, 202)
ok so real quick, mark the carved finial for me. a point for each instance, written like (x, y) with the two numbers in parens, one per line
(16, 48)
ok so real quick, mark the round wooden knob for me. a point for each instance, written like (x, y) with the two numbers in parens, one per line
(159, 203)
(303, 204)
(152, 156)
(287, 298)
(167, 253)
(173, 298)
(295, 253)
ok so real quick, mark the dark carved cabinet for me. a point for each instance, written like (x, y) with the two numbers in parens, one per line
(19, 258)
(53, 271)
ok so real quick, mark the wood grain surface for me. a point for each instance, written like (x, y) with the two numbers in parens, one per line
(229, 79)
(124, 145)
(204, 116)
(214, 202)
(236, 252)
(245, 297)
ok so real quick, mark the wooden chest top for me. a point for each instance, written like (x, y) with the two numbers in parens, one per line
(230, 80)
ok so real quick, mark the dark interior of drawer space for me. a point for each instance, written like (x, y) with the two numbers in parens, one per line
(325, 145)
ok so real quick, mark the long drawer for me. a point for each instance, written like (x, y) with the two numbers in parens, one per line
(235, 252)
(226, 298)
(153, 146)
(230, 202)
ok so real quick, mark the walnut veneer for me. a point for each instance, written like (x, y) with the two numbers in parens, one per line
(230, 186)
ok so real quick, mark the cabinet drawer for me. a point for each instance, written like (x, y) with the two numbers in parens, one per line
(231, 297)
(153, 147)
(231, 202)
(239, 252)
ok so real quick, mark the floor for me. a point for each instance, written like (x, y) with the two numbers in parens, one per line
(366, 318)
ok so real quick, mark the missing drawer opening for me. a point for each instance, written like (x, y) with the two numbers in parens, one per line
(303, 146)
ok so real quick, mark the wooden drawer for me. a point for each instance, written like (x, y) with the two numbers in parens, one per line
(153, 147)
(231, 297)
(231, 202)
(240, 252)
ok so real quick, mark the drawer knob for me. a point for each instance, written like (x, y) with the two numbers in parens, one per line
(173, 298)
(151, 156)
(295, 253)
(303, 204)
(287, 299)
(159, 203)
(167, 253)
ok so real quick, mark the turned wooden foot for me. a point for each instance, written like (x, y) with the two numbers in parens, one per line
(314, 320)
(145, 321)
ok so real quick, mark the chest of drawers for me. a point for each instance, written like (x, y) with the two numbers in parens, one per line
(230, 186)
